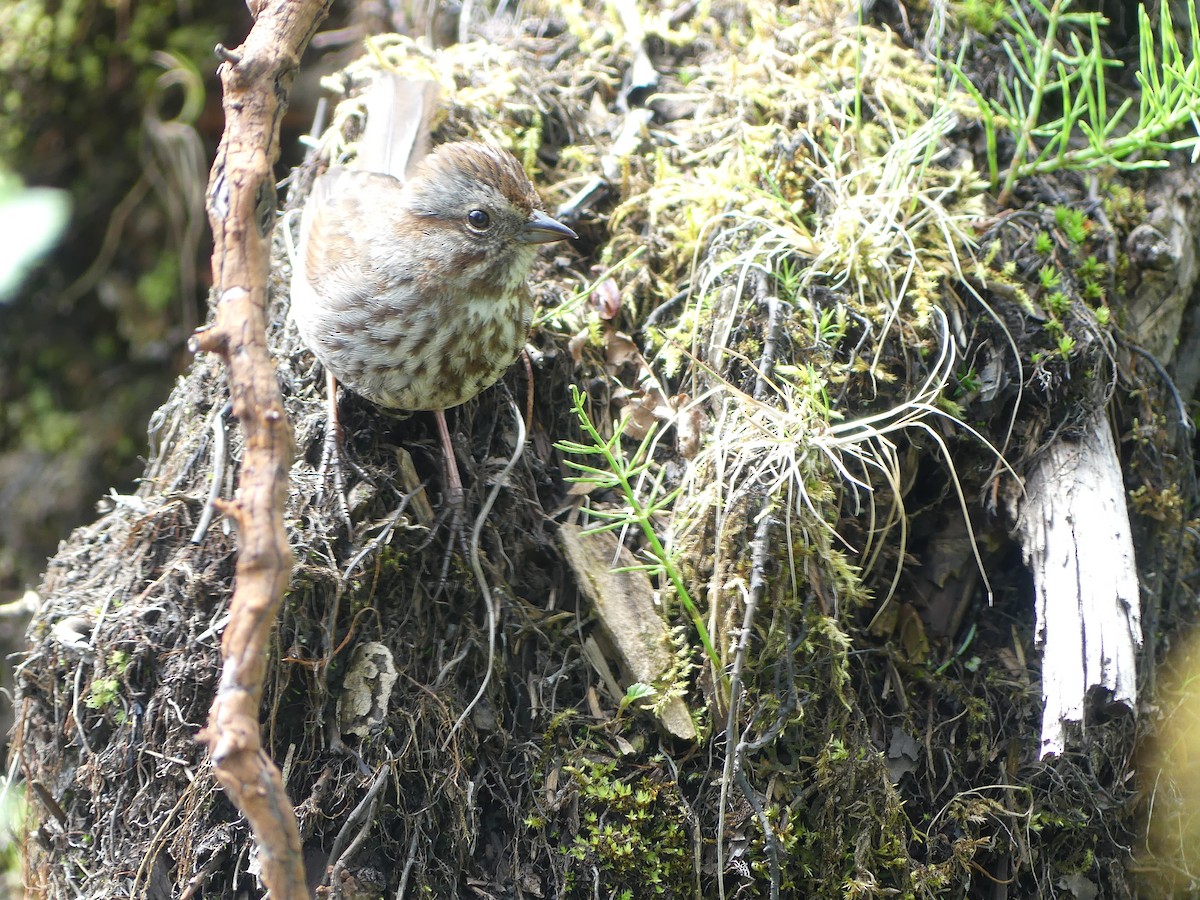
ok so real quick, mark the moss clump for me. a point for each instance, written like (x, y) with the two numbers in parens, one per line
(633, 837)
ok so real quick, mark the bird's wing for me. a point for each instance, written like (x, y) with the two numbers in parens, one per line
(333, 251)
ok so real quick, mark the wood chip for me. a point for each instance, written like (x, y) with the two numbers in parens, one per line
(629, 620)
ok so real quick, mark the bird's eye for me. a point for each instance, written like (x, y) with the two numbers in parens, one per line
(478, 220)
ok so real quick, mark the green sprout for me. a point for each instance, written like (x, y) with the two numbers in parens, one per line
(1090, 268)
(1058, 303)
(620, 473)
(1074, 224)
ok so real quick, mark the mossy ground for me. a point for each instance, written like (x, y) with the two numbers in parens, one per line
(798, 271)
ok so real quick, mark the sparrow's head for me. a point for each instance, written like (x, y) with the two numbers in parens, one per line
(478, 202)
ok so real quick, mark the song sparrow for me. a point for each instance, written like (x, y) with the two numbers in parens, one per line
(412, 292)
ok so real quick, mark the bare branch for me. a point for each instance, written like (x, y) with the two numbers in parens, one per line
(257, 78)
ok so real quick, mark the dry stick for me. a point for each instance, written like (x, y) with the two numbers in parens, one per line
(220, 451)
(343, 845)
(257, 79)
(759, 548)
(772, 339)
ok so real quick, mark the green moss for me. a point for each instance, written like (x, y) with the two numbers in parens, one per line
(982, 15)
(633, 834)
(1075, 225)
(103, 693)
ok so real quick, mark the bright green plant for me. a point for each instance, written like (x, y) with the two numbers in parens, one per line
(1049, 276)
(1074, 224)
(982, 15)
(1070, 71)
(624, 474)
(1058, 303)
(968, 382)
(1091, 268)
(104, 692)
(631, 834)
(636, 692)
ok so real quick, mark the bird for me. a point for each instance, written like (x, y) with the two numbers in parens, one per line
(410, 283)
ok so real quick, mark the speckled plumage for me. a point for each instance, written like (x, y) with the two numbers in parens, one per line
(400, 296)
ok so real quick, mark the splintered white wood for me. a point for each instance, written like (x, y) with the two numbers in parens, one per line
(1075, 533)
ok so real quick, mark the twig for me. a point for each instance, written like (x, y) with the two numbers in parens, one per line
(664, 309)
(343, 846)
(408, 862)
(220, 449)
(758, 583)
(25, 605)
(385, 534)
(87, 651)
(627, 143)
(769, 839)
(227, 55)
(771, 341)
(257, 79)
(196, 882)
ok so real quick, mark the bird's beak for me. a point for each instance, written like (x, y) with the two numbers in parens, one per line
(541, 229)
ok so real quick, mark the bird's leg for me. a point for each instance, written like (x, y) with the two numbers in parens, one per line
(331, 455)
(454, 488)
(454, 498)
